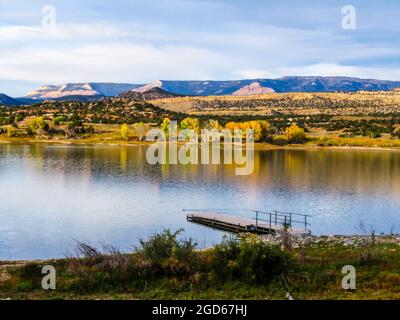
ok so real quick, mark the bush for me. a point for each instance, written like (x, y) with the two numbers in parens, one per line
(279, 140)
(295, 134)
(166, 254)
(37, 125)
(249, 260)
(11, 131)
(58, 120)
(90, 130)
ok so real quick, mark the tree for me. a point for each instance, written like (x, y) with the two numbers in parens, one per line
(139, 130)
(165, 127)
(257, 129)
(233, 125)
(125, 131)
(212, 124)
(37, 125)
(191, 123)
(295, 134)
(11, 131)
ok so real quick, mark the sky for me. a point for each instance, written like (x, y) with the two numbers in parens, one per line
(139, 41)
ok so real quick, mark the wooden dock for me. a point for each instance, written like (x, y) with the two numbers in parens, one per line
(237, 224)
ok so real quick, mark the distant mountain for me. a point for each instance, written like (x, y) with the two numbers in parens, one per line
(280, 85)
(8, 101)
(150, 93)
(253, 88)
(94, 91)
(28, 101)
(76, 90)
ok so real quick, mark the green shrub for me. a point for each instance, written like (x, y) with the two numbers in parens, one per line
(167, 254)
(249, 260)
(58, 120)
(24, 287)
(279, 140)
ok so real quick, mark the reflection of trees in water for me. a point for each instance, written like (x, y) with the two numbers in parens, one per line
(294, 170)
(346, 170)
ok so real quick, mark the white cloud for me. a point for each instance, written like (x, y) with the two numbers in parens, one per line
(325, 69)
(118, 52)
(75, 32)
(118, 62)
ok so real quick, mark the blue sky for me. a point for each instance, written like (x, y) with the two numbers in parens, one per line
(139, 41)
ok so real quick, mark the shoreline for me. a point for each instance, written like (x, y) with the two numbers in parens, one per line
(207, 274)
(346, 240)
(257, 145)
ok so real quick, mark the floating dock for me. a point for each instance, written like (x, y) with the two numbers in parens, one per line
(275, 222)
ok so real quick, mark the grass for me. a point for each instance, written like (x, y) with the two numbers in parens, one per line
(109, 134)
(356, 142)
(166, 267)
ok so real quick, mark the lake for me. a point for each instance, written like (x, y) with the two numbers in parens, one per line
(52, 195)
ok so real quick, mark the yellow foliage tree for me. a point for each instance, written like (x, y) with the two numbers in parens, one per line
(37, 125)
(233, 125)
(125, 131)
(295, 134)
(11, 131)
(257, 129)
(139, 130)
(191, 123)
(165, 127)
(260, 128)
(213, 124)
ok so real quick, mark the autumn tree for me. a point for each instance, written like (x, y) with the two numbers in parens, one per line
(165, 127)
(191, 123)
(139, 130)
(11, 131)
(212, 125)
(37, 126)
(125, 131)
(295, 134)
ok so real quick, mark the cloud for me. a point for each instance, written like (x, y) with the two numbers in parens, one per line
(118, 62)
(199, 39)
(324, 69)
(73, 32)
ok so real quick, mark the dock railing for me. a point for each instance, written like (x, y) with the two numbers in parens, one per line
(286, 219)
(274, 218)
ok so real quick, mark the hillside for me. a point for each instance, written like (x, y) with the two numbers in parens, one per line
(151, 94)
(105, 111)
(8, 101)
(289, 103)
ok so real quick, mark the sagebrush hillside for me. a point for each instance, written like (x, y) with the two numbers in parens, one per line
(363, 102)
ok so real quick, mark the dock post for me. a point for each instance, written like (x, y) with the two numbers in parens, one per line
(276, 218)
(290, 220)
(270, 221)
(257, 219)
(305, 222)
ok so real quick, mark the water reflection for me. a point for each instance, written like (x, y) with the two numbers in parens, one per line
(53, 194)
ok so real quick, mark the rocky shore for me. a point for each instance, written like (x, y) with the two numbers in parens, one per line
(332, 240)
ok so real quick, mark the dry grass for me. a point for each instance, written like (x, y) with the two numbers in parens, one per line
(288, 103)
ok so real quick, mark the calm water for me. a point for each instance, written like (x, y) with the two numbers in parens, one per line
(53, 195)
